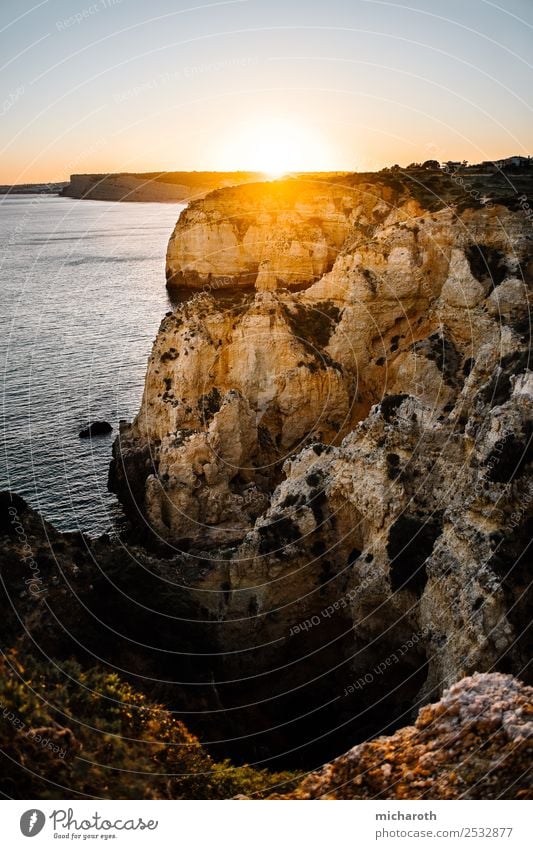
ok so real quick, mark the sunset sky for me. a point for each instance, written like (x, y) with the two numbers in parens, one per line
(126, 85)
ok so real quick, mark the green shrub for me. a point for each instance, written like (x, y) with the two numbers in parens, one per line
(69, 732)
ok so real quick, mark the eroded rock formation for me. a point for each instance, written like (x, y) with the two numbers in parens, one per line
(274, 234)
(337, 430)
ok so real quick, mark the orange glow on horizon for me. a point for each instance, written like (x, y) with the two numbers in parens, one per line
(276, 146)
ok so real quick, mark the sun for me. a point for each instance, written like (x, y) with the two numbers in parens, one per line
(278, 150)
(276, 147)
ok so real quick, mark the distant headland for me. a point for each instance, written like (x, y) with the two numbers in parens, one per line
(156, 186)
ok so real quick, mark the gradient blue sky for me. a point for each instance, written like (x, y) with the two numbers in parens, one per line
(346, 84)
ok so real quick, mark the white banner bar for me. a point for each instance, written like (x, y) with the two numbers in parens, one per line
(267, 825)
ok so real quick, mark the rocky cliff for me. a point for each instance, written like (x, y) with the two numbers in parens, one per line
(335, 434)
(279, 234)
(155, 187)
(78, 611)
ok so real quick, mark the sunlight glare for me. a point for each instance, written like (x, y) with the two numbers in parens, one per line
(276, 147)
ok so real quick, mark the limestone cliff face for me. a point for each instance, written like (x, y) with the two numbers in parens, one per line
(351, 457)
(268, 235)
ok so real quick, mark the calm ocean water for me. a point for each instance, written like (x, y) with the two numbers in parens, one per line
(82, 294)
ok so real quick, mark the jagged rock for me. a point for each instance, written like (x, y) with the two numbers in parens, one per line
(191, 492)
(205, 354)
(475, 743)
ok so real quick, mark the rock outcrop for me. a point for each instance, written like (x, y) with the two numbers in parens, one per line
(268, 235)
(475, 743)
(98, 428)
(151, 187)
(343, 447)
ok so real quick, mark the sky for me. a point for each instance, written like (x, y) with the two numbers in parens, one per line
(130, 85)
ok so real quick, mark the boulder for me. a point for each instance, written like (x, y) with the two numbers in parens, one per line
(98, 428)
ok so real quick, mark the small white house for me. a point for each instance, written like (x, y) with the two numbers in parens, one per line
(514, 161)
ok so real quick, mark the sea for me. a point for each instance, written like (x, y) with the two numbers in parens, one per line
(82, 294)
